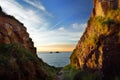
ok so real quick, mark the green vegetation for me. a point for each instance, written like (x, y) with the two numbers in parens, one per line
(98, 28)
(83, 75)
(71, 73)
(117, 78)
(114, 15)
(16, 63)
(73, 58)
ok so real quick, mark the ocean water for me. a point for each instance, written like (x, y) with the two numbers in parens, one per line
(55, 59)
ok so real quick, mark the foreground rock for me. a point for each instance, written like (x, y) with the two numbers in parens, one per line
(99, 47)
(18, 59)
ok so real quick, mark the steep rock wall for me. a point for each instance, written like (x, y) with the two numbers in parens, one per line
(98, 48)
(12, 31)
(101, 7)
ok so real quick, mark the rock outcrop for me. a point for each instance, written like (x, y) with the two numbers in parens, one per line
(99, 47)
(12, 31)
(18, 59)
(101, 7)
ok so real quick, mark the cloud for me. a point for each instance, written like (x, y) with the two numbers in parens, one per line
(58, 47)
(36, 3)
(61, 28)
(78, 26)
(62, 35)
(25, 14)
(33, 20)
(39, 27)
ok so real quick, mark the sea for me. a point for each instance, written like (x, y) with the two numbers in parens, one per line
(60, 59)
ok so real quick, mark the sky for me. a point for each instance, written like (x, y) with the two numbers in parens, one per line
(53, 25)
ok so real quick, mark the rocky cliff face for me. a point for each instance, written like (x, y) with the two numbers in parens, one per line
(18, 60)
(12, 31)
(101, 7)
(99, 47)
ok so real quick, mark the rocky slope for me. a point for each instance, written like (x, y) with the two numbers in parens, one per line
(99, 47)
(18, 59)
(12, 31)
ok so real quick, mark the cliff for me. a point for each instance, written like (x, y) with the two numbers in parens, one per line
(12, 31)
(18, 59)
(101, 7)
(98, 49)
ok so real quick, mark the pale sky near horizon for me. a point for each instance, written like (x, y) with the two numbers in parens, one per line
(53, 25)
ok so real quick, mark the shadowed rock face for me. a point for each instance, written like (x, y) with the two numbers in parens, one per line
(18, 59)
(0, 9)
(12, 31)
(99, 47)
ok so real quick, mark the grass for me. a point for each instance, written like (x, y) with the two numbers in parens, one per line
(14, 58)
(71, 73)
